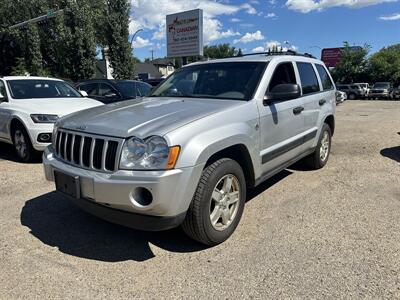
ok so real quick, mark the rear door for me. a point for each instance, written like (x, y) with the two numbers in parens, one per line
(281, 123)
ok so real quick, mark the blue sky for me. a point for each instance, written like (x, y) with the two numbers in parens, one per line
(255, 25)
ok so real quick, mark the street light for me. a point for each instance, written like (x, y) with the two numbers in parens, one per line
(133, 36)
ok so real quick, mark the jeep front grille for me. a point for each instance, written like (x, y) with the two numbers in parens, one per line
(88, 151)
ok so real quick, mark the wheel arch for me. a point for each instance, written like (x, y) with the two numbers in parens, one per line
(15, 122)
(330, 120)
(241, 155)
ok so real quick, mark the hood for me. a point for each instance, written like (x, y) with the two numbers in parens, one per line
(144, 117)
(55, 106)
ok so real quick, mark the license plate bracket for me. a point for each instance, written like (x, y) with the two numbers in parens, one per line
(67, 184)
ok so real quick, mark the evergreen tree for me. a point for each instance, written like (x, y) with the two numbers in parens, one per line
(117, 33)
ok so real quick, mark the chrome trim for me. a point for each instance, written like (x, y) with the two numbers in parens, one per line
(94, 137)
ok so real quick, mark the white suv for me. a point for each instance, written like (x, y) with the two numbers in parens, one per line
(29, 106)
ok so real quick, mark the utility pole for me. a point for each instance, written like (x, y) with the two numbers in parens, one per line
(152, 54)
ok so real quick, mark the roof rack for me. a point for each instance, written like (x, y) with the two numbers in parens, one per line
(287, 52)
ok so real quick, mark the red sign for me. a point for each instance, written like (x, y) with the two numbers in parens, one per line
(331, 56)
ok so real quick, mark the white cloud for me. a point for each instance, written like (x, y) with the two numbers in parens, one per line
(150, 15)
(270, 15)
(258, 49)
(250, 37)
(235, 20)
(392, 17)
(272, 2)
(269, 45)
(140, 43)
(213, 31)
(249, 9)
(306, 6)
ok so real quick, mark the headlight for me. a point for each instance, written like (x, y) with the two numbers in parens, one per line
(152, 153)
(38, 118)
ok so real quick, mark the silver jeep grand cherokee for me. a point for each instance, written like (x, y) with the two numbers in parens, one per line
(187, 154)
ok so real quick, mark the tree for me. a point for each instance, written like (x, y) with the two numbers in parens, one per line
(385, 64)
(33, 55)
(220, 51)
(78, 41)
(352, 66)
(117, 33)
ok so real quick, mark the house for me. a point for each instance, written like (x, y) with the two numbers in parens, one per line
(147, 71)
(164, 65)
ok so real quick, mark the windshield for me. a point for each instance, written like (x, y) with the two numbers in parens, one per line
(38, 88)
(381, 85)
(234, 80)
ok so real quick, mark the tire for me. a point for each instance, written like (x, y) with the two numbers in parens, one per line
(352, 97)
(22, 144)
(227, 212)
(318, 158)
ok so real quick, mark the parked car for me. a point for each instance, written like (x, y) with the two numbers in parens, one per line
(110, 91)
(353, 91)
(187, 154)
(340, 97)
(396, 93)
(29, 106)
(365, 86)
(381, 90)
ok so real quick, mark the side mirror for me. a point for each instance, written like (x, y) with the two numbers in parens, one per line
(84, 93)
(2, 97)
(286, 91)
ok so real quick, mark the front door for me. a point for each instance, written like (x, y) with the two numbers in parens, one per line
(281, 123)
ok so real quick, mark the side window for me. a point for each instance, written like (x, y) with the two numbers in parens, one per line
(325, 79)
(309, 81)
(90, 88)
(284, 73)
(3, 90)
(106, 90)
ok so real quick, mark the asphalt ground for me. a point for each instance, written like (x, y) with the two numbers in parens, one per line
(331, 233)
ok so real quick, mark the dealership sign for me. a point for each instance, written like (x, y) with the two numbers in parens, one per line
(185, 33)
(332, 56)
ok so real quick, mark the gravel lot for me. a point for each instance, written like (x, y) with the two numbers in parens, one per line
(331, 233)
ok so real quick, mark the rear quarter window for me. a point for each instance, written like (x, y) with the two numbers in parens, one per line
(327, 83)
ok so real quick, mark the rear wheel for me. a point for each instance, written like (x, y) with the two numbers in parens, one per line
(319, 158)
(218, 203)
(22, 144)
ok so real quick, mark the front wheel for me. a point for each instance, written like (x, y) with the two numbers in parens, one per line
(218, 203)
(320, 156)
(22, 144)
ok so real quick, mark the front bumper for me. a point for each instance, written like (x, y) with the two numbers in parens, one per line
(379, 95)
(112, 196)
(35, 130)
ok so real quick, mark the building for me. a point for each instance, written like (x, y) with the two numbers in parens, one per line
(165, 66)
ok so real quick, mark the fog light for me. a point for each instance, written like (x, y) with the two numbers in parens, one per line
(142, 196)
(44, 138)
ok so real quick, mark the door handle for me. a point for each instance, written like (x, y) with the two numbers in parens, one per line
(322, 102)
(298, 110)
